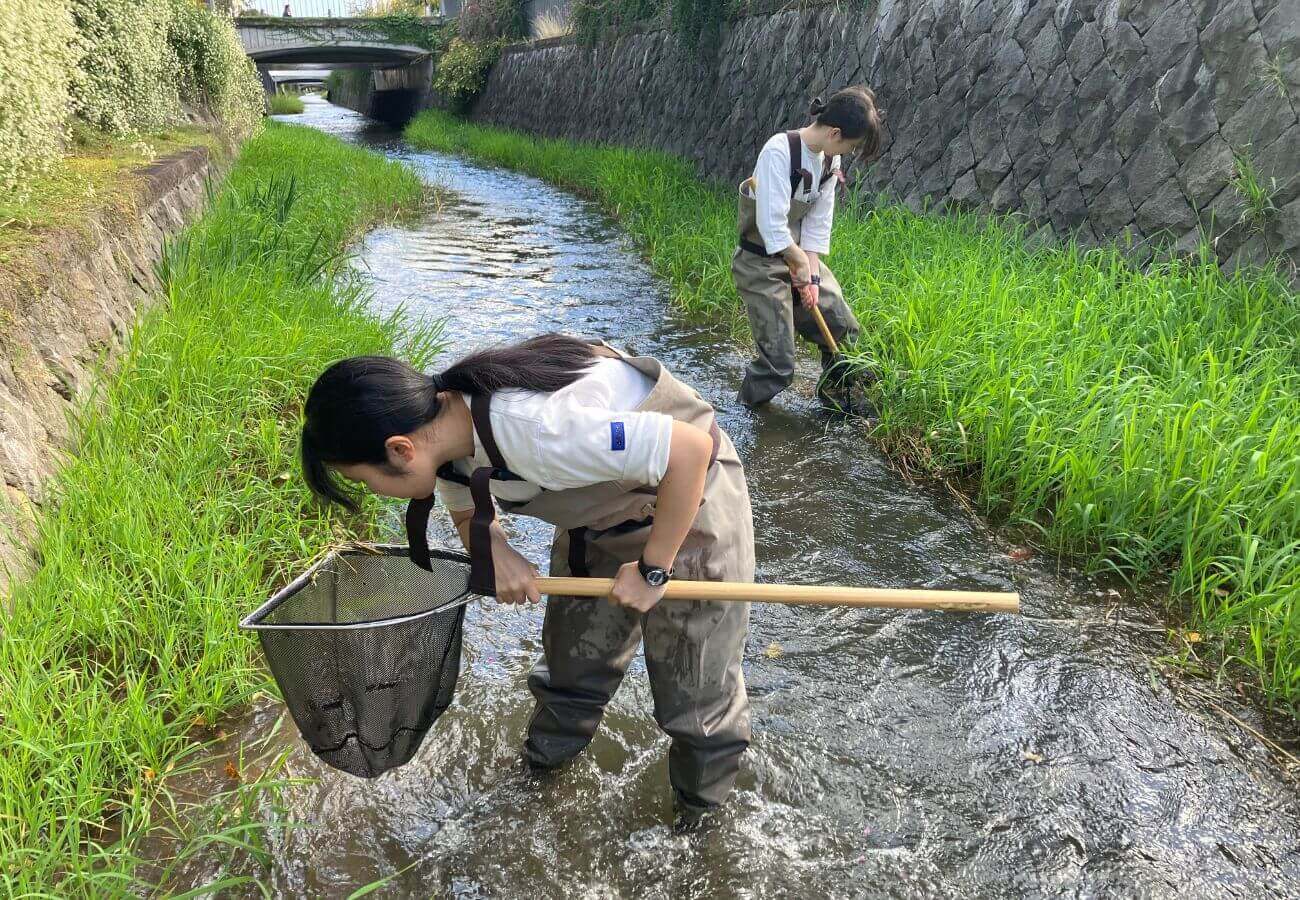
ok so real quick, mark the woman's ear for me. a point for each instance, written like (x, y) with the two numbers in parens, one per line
(400, 449)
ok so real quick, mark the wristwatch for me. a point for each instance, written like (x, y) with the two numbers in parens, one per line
(653, 575)
(815, 279)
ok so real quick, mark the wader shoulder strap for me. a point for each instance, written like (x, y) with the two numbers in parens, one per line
(447, 472)
(482, 572)
(480, 410)
(798, 174)
(601, 349)
(417, 527)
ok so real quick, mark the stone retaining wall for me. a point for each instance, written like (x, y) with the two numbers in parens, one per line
(1100, 118)
(60, 323)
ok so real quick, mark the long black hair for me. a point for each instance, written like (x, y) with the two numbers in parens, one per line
(359, 403)
(854, 112)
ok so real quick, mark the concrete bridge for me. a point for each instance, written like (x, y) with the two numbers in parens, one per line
(333, 42)
(298, 77)
(402, 69)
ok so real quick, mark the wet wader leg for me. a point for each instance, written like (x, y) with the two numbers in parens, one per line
(839, 318)
(767, 301)
(693, 653)
(835, 387)
(587, 645)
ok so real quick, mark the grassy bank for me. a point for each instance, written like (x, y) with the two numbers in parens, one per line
(1144, 422)
(286, 103)
(94, 181)
(184, 503)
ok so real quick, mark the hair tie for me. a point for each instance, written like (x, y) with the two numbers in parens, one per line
(438, 384)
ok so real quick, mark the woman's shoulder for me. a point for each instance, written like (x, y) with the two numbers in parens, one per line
(778, 144)
(600, 385)
(603, 384)
(524, 405)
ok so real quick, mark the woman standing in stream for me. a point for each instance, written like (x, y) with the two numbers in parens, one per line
(642, 485)
(786, 210)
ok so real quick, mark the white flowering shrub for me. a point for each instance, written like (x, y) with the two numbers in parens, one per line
(37, 54)
(121, 66)
(214, 71)
(126, 80)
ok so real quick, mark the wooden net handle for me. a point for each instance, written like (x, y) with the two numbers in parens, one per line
(798, 594)
(826, 332)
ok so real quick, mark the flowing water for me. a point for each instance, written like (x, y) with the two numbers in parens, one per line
(894, 754)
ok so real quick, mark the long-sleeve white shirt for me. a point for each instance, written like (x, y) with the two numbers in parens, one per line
(772, 196)
(583, 434)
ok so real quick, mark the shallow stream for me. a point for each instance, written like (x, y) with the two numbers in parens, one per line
(894, 755)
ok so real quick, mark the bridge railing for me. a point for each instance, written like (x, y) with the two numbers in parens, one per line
(316, 9)
(260, 20)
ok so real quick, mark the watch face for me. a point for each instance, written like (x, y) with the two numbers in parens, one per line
(656, 578)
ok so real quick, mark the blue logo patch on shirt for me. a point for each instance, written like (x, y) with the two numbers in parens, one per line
(617, 438)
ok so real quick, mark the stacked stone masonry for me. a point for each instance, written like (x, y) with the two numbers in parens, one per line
(1105, 119)
(64, 321)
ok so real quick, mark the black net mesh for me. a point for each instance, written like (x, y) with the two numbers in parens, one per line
(366, 650)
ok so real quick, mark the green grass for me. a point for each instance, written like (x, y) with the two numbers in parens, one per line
(1143, 422)
(1272, 72)
(96, 176)
(286, 103)
(1258, 196)
(182, 507)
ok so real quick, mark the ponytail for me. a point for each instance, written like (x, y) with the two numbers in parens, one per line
(544, 364)
(357, 404)
(854, 112)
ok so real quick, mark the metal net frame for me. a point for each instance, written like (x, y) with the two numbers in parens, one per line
(365, 646)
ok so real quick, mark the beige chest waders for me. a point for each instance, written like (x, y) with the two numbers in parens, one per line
(365, 645)
(693, 648)
(763, 281)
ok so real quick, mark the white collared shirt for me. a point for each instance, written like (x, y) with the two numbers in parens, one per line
(580, 435)
(772, 196)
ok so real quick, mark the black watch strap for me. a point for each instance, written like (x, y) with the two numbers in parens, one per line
(645, 570)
